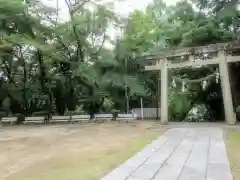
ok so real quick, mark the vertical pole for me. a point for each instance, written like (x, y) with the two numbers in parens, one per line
(127, 99)
(126, 91)
(57, 4)
(142, 108)
(230, 116)
(159, 96)
(164, 92)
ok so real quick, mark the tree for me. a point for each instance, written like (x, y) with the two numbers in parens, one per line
(53, 65)
(183, 25)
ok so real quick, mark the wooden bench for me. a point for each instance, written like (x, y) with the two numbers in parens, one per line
(126, 117)
(10, 120)
(103, 117)
(80, 118)
(59, 119)
(34, 120)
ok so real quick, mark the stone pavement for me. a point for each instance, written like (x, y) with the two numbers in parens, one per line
(180, 154)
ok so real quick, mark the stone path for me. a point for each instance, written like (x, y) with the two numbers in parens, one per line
(180, 154)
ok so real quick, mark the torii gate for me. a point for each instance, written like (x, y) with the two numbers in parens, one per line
(223, 56)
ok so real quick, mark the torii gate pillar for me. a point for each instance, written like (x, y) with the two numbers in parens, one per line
(222, 60)
(230, 116)
(164, 91)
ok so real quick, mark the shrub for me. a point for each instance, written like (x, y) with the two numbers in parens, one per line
(70, 113)
(115, 113)
(179, 106)
(20, 118)
(3, 114)
(197, 114)
(46, 114)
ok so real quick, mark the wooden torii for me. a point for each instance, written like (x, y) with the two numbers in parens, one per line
(224, 53)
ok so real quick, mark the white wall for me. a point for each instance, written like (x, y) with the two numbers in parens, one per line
(148, 113)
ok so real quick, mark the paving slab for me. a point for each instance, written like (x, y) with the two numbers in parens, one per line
(179, 154)
(196, 164)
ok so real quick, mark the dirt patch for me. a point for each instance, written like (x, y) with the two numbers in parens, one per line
(28, 149)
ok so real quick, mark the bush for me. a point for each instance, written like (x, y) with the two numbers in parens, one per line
(238, 112)
(179, 106)
(46, 114)
(197, 114)
(70, 113)
(115, 113)
(20, 118)
(41, 113)
(3, 114)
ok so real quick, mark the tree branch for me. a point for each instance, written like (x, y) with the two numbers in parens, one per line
(78, 5)
(80, 53)
(100, 48)
(64, 46)
(9, 74)
(103, 41)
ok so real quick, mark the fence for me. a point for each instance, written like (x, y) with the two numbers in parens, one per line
(148, 113)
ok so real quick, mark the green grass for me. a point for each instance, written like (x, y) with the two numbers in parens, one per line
(233, 147)
(88, 166)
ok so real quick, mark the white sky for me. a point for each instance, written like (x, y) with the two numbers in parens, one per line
(123, 7)
(130, 5)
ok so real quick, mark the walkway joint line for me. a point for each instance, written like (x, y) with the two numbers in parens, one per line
(188, 156)
(179, 154)
(170, 154)
(145, 161)
(209, 140)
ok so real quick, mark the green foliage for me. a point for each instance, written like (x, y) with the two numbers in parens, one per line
(49, 65)
(46, 114)
(3, 114)
(115, 113)
(20, 118)
(60, 66)
(198, 113)
(181, 25)
(179, 106)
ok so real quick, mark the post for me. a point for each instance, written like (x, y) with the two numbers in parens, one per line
(159, 96)
(230, 116)
(142, 108)
(164, 92)
(126, 91)
(127, 100)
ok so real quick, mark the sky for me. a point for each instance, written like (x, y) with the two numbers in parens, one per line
(123, 7)
(128, 6)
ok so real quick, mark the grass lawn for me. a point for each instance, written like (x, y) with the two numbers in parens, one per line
(81, 153)
(91, 165)
(233, 147)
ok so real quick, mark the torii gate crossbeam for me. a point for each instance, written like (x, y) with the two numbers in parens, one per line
(223, 57)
